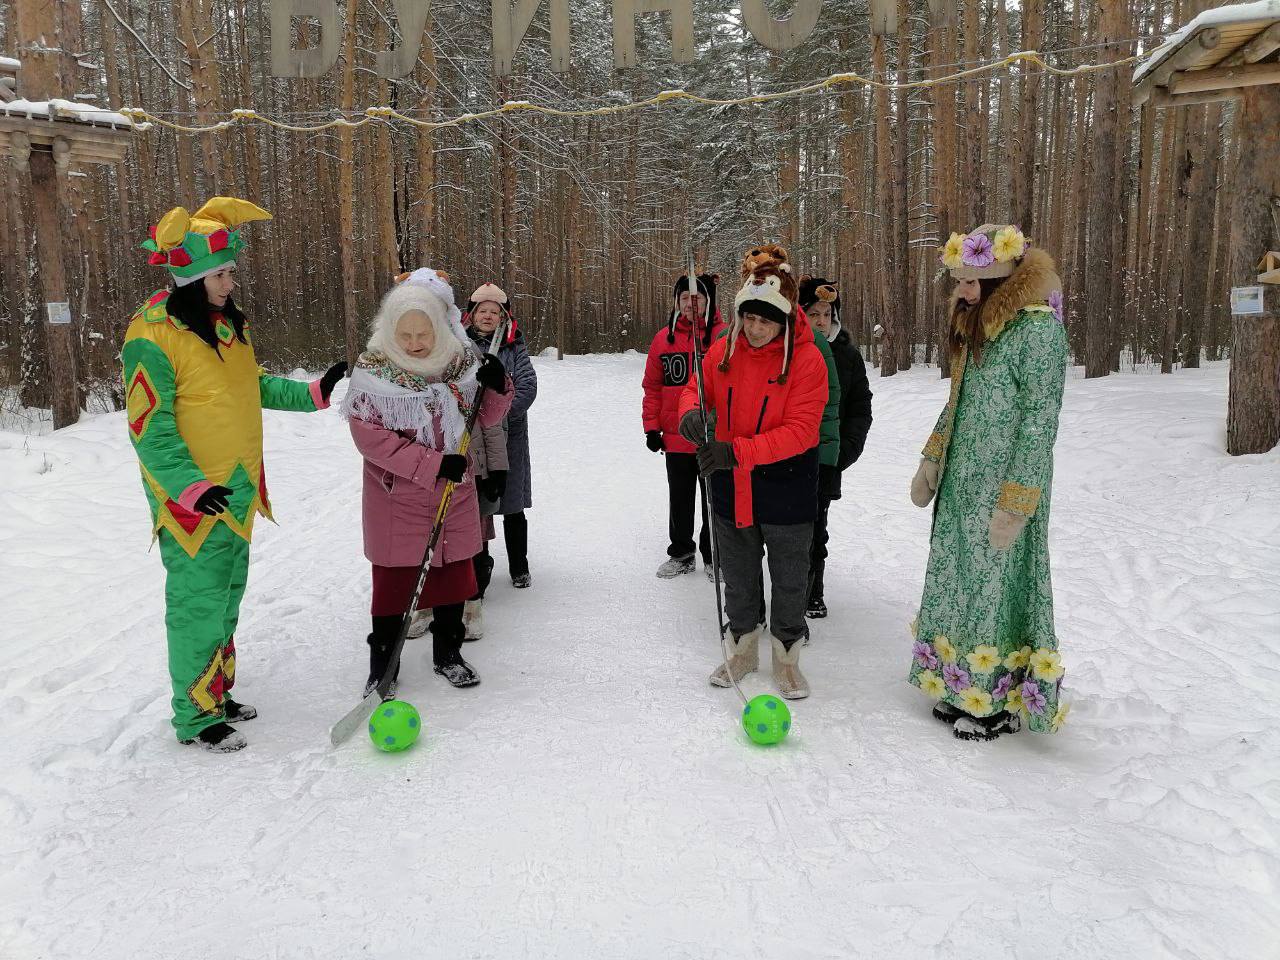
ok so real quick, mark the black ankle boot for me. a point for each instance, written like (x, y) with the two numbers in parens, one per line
(447, 632)
(386, 630)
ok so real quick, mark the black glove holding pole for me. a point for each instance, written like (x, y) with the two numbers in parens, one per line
(492, 375)
(453, 467)
(715, 455)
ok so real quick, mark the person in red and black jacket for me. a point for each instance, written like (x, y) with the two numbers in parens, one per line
(765, 386)
(665, 376)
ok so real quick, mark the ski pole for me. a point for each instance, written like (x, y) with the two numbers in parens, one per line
(357, 716)
(702, 482)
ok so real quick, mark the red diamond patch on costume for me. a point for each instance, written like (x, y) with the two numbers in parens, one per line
(229, 664)
(186, 518)
(179, 257)
(141, 402)
(206, 691)
(262, 491)
(217, 241)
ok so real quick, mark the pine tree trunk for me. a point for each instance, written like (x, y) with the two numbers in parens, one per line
(346, 170)
(1253, 413)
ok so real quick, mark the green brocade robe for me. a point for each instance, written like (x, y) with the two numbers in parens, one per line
(985, 640)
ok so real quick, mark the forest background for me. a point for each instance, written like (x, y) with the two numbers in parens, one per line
(587, 222)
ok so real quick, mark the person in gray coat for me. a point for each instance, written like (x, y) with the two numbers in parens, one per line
(513, 488)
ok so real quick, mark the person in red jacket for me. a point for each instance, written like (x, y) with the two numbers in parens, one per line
(665, 376)
(766, 387)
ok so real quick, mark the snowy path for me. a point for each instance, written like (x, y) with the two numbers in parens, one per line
(594, 797)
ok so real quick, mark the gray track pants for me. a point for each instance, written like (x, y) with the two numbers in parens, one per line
(741, 552)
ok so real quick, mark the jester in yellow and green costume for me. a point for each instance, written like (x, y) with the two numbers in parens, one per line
(194, 400)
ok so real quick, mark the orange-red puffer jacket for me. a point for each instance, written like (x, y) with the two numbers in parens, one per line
(773, 427)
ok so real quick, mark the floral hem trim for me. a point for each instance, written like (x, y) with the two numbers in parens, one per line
(1015, 498)
(1026, 682)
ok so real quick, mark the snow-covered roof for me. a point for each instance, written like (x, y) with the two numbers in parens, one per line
(1238, 23)
(58, 109)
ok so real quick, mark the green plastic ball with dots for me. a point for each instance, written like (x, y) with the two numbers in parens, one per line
(394, 726)
(766, 719)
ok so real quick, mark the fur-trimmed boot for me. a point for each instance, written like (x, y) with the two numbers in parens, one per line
(744, 658)
(786, 670)
(473, 619)
(419, 623)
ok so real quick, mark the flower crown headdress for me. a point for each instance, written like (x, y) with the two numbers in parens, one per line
(991, 250)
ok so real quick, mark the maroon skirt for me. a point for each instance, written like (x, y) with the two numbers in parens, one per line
(452, 583)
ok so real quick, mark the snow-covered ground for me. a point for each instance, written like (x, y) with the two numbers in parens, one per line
(594, 797)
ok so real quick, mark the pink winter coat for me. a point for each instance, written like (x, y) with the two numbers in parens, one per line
(402, 493)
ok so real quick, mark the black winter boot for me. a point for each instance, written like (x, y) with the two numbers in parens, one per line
(386, 630)
(237, 712)
(816, 609)
(447, 632)
(986, 728)
(220, 738)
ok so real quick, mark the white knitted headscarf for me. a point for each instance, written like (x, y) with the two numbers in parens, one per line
(427, 291)
(428, 395)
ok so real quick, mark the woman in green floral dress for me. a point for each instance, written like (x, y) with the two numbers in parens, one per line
(985, 647)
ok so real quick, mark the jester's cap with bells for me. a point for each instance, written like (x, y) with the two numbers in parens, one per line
(194, 245)
(989, 251)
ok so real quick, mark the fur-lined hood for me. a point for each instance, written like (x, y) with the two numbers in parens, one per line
(1035, 277)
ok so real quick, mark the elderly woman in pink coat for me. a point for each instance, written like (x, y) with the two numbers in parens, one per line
(407, 405)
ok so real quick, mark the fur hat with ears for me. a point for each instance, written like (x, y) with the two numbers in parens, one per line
(707, 283)
(769, 290)
(813, 289)
(770, 258)
(429, 291)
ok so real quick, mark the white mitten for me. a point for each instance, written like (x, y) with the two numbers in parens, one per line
(925, 483)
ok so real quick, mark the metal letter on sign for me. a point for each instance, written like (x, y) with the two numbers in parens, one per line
(397, 63)
(884, 18)
(781, 34)
(624, 28)
(317, 61)
(511, 19)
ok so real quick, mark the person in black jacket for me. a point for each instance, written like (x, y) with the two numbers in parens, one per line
(821, 302)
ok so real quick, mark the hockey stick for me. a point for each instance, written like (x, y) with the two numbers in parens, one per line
(702, 481)
(355, 718)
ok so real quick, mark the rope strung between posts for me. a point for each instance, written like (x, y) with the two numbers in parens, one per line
(1030, 57)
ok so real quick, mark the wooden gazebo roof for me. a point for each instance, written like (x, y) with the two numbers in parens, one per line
(76, 133)
(1213, 57)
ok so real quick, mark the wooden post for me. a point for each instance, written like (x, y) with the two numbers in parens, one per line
(346, 213)
(39, 80)
(1253, 405)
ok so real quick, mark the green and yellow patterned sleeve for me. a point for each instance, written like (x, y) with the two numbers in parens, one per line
(281, 393)
(1041, 374)
(149, 387)
(937, 444)
(936, 447)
